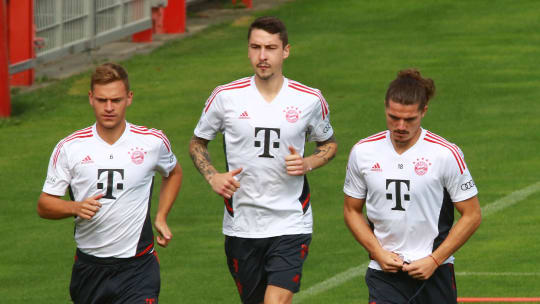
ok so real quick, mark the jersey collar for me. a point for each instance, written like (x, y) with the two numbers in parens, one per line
(120, 139)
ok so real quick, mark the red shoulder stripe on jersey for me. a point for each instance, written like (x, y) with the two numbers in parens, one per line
(57, 152)
(84, 133)
(435, 136)
(232, 86)
(316, 91)
(236, 82)
(451, 145)
(439, 137)
(376, 135)
(158, 134)
(153, 134)
(87, 130)
(324, 110)
(449, 148)
(156, 131)
(299, 85)
(239, 81)
(365, 140)
(324, 104)
(163, 136)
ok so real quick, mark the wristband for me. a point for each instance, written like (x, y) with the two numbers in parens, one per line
(435, 260)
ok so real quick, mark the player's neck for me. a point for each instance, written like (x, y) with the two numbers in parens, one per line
(402, 147)
(111, 135)
(269, 88)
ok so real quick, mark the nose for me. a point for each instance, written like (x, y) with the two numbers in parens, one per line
(401, 125)
(108, 106)
(262, 55)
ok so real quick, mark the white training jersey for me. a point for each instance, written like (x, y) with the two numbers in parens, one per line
(257, 136)
(124, 173)
(409, 197)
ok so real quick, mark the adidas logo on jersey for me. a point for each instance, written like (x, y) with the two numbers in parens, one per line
(244, 115)
(376, 167)
(87, 160)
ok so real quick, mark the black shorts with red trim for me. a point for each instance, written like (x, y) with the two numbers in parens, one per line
(400, 288)
(256, 263)
(115, 280)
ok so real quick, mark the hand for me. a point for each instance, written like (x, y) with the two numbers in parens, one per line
(88, 208)
(389, 261)
(421, 269)
(295, 163)
(164, 233)
(225, 184)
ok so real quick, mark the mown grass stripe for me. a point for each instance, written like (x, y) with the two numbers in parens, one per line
(510, 200)
(331, 282)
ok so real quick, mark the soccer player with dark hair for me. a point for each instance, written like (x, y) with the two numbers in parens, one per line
(410, 180)
(266, 120)
(109, 170)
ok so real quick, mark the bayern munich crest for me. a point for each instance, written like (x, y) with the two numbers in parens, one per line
(292, 114)
(137, 155)
(421, 166)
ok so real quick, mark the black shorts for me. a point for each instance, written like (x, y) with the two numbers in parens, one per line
(110, 280)
(257, 263)
(400, 288)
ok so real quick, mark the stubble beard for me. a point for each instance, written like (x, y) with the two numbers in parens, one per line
(265, 77)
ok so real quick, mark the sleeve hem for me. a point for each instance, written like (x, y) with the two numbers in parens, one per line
(53, 192)
(354, 194)
(464, 198)
(321, 140)
(204, 135)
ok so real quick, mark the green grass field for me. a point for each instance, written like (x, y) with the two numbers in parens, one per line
(483, 56)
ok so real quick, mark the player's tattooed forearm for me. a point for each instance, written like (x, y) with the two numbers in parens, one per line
(201, 158)
(326, 149)
(324, 153)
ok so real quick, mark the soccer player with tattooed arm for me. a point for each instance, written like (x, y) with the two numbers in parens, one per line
(265, 120)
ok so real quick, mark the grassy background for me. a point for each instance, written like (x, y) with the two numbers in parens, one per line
(483, 56)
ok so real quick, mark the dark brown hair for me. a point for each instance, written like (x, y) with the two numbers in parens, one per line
(410, 88)
(107, 73)
(271, 25)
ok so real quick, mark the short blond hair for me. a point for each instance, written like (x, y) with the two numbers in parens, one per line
(107, 73)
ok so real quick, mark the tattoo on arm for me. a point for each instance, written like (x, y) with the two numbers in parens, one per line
(198, 150)
(326, 149)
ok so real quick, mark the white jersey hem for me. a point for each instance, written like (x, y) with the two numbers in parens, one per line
(266, 235)
(374, 265)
